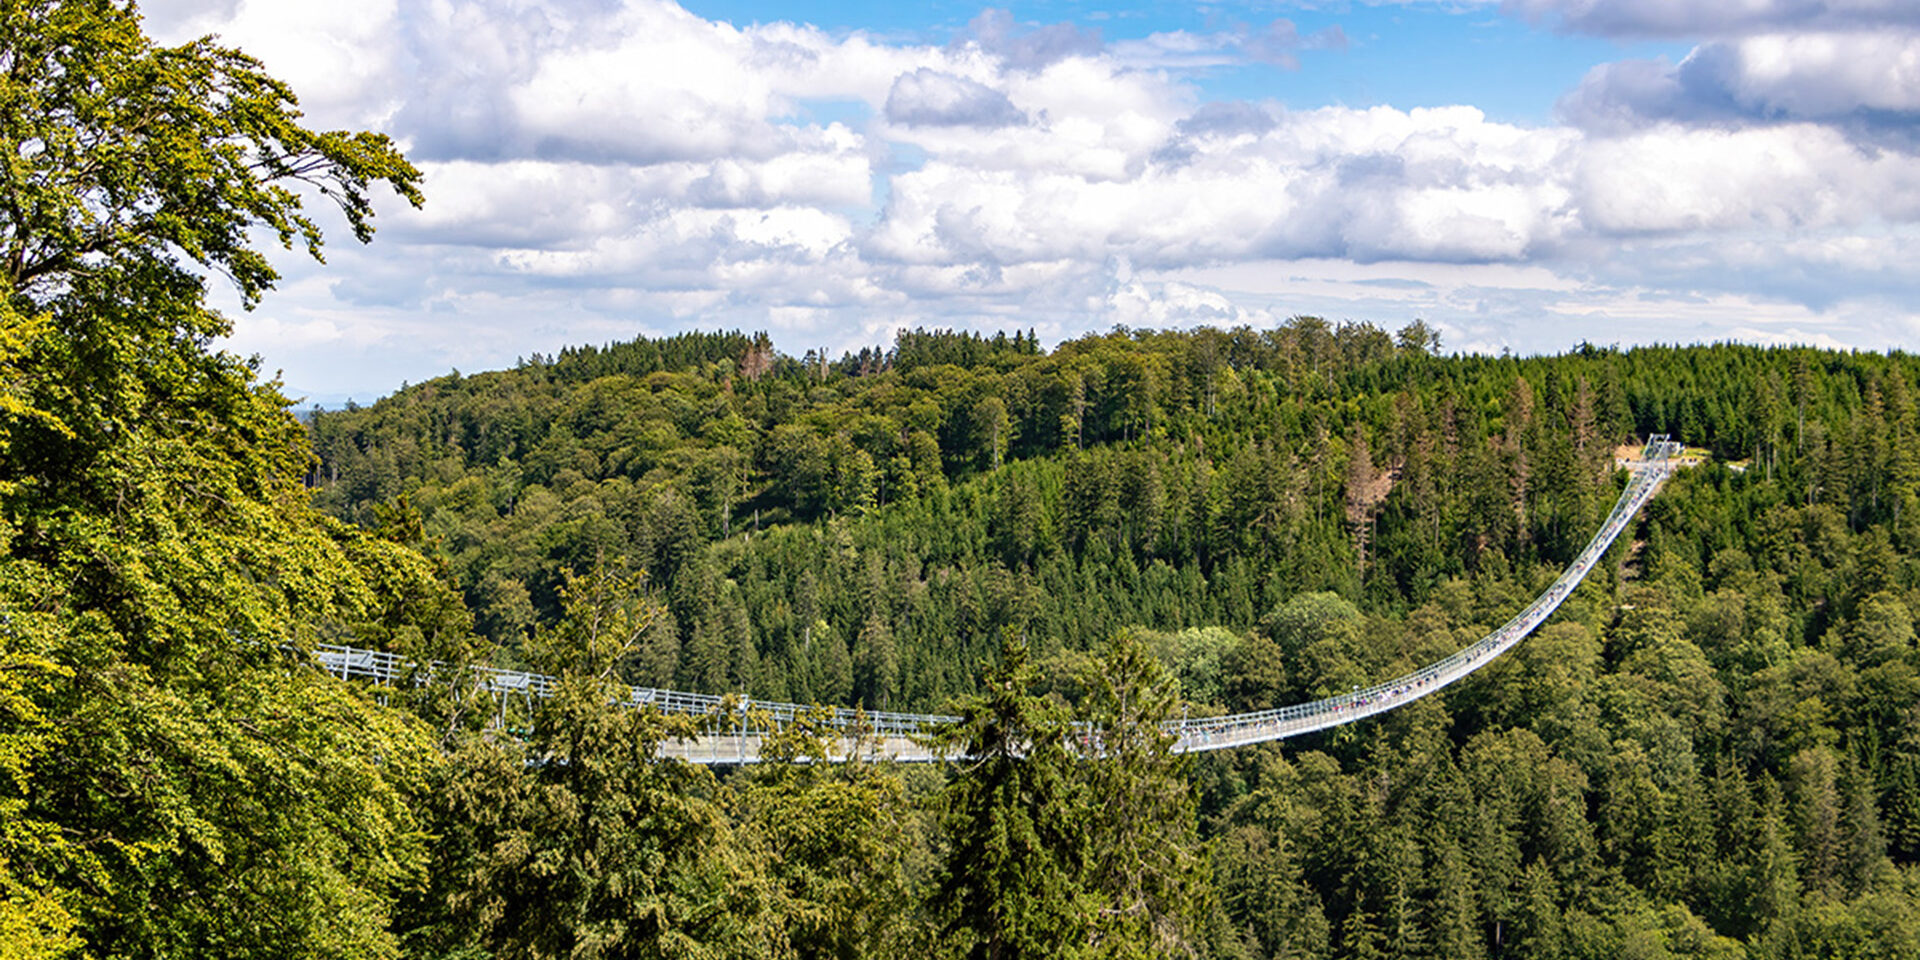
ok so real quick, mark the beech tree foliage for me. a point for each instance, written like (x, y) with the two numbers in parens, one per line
(168, 786)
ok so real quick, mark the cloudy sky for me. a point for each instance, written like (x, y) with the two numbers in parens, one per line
(1523, 174)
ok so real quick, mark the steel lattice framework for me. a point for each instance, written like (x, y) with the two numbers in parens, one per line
(736, 726)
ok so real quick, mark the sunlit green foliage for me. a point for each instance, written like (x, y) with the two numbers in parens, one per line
(170, 783)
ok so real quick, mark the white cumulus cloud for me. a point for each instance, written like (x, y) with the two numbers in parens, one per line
(600, 168)
(1695, 18)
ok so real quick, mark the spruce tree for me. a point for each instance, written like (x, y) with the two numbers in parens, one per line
(1009, 888)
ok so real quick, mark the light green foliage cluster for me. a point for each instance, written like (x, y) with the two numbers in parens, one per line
(167, 786)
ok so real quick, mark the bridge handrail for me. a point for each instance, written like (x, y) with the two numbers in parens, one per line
(355, 663)
(1205, 733)
(753, 718)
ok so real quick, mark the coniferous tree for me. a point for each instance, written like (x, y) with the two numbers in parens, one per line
(580, 841)
(876, 664)
(1010, 888)
(1146, 872)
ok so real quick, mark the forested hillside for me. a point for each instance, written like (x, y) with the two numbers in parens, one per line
(1714, 749)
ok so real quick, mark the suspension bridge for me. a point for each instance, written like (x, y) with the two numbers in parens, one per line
(735, 728)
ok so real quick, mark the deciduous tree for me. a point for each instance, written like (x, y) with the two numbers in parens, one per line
(161, 571)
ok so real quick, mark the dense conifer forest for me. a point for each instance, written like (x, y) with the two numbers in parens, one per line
(1713, 750)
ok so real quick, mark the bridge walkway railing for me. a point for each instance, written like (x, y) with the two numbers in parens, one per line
(738, 725)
